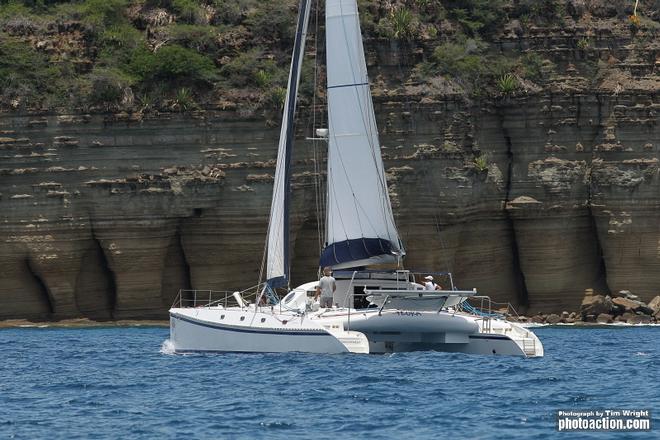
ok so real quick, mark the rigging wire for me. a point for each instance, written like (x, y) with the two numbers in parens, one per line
(315, 143)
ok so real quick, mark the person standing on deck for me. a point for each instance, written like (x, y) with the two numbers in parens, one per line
(326, 288)
(430, 285)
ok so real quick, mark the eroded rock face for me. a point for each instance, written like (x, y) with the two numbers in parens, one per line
(531, 198)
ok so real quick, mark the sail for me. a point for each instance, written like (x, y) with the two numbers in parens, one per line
(277, 258)
(360, 227)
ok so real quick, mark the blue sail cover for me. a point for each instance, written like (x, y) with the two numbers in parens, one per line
(353, 251)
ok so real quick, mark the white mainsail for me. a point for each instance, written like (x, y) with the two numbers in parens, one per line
(360, 227)
(277, 265)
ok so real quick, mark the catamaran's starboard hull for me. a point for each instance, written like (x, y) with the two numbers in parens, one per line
(478, 344)
(401, 331)
(191, 335)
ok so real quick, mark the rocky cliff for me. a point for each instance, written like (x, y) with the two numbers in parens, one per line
(531, 195)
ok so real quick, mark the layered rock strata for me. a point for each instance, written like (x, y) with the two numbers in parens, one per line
(531, 197)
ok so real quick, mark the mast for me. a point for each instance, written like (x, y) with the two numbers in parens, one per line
(277, 265)
(360, 228)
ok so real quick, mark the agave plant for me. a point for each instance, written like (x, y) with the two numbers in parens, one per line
(183, 100)
(402, 22)
(277, 98)
(583, 43)
(263, 78)
(507, 84)
(481, 162)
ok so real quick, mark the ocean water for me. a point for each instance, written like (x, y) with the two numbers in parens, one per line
(119, 383)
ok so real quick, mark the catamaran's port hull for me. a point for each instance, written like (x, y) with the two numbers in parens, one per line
(189, 335)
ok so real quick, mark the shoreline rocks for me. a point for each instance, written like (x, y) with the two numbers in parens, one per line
(624, 308)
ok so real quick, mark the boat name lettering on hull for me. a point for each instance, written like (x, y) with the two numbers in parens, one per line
(404, 313)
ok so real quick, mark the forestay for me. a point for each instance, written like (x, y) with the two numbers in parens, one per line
(360, 227)
(277, 265)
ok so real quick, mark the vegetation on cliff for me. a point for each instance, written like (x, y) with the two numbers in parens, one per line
(142, 55)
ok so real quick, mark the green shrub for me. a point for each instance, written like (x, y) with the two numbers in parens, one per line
(108, 11)
(460, 60)
(539, 11)
(368, 17)
(13, 8)
(95, 15)
(25, 70)
(273, 20)
(198, 37)
(532, 66)
(117, 44)
(307, 81)
(107, 86)
(477, 16)
(121, 36)
(233, 11)
(189, 11)
(244, 70)
(173, 63)
(500, 65)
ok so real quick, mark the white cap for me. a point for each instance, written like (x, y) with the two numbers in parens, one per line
(430, 278)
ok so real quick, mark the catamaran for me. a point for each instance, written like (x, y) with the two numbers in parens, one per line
(373, 310)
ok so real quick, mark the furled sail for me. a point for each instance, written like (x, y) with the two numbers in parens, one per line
(360, 227)
(277, 261)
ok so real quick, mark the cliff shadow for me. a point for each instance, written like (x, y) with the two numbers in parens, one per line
(96, 292)
(176, 273)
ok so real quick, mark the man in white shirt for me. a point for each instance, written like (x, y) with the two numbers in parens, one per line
(430, 285)
(326, 288)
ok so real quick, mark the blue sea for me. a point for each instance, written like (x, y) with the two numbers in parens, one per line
(120, 383)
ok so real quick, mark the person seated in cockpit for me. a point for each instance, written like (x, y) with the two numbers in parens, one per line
(430, 285)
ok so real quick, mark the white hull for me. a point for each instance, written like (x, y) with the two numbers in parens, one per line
(216, 329)
(202, 330)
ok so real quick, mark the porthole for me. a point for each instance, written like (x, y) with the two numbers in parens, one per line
(242, 318)
(263, 319)
(222, 316)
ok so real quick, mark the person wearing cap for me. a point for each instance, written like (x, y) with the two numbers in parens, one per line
(326, 288)
(430, 285)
